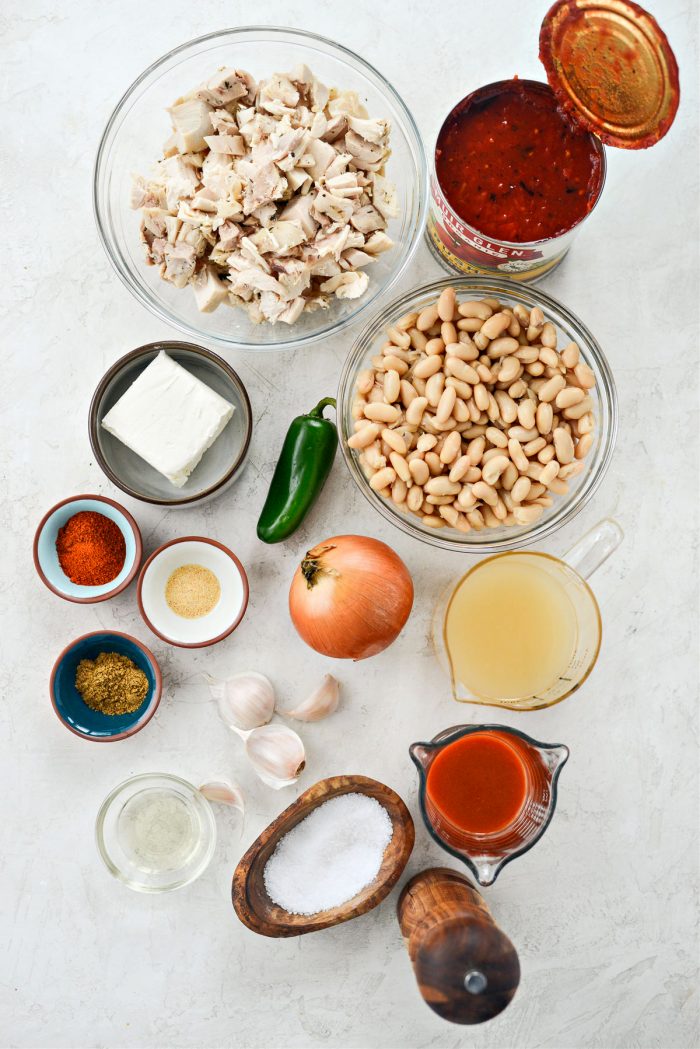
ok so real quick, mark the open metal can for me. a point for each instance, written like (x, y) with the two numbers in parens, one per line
(613, 76)
(462, 248)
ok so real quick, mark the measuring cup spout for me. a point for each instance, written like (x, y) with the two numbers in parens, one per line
(555, 756)
(486, 871)
(420, 754)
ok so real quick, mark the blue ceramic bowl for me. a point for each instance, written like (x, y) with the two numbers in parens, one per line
(46, 557)
(69, 705)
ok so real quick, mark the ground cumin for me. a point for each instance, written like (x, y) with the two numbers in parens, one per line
(112, 683)
(91, 549)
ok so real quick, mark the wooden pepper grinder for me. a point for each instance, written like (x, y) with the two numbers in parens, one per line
(467, 969)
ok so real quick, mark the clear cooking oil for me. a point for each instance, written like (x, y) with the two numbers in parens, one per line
(159, 830)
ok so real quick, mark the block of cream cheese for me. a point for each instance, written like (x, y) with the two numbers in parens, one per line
(169, 418)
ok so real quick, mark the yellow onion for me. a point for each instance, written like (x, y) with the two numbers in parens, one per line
(350, 597)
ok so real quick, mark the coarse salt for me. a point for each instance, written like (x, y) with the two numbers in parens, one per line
(329, 856)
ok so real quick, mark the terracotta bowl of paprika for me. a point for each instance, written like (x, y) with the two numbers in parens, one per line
(87, 549)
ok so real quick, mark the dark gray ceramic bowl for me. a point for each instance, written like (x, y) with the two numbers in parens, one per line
(220, 465)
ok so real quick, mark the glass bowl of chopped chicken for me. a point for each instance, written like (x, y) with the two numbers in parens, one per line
(260, 187)
(477, 414)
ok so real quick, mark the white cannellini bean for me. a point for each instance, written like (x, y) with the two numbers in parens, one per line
(392, 385)
(446, 304)
(494, 468)
(451, 448)
(570, 355)
(415, 410)
(563, 445)
(517, 454)
(549, 472)
(427, 367)
(385, 413)
(459, 468)
(551, 388)
(426, 442)
(446, 404)
(525, 515)
(496, 437)
(395, 441)
(414, 499)
(585, 376)
(543, 417)
(399, 491)
(569, 396)
(495, 325)
(395, 362)
(364, 437)
(407, 393)
(434, 387)
(382, 479)
(442, 486)
(476, 397)
(521, 489)
(400, 466)
(475, 309)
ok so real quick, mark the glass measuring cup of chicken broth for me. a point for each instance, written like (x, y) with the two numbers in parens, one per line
(523, 629)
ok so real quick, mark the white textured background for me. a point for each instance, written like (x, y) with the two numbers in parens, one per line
(603, 911)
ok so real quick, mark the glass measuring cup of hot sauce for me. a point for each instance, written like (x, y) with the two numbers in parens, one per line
(522, 629)
(487, 793)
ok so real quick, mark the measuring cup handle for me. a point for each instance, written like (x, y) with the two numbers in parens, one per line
(595, 547)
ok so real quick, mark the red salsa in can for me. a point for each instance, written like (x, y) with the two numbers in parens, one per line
(514, 166)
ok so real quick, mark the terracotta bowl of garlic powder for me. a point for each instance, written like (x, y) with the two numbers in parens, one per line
(192, 592)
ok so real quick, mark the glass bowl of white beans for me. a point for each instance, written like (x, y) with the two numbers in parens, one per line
(482, 432)
(133, 141)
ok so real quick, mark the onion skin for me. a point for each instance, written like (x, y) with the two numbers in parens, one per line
(350, 597)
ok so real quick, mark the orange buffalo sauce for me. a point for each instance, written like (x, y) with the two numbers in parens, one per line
(478, 783)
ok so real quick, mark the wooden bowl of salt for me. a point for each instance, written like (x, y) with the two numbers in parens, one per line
(251, 897)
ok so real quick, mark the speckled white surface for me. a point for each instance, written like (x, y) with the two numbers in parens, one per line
(603, 911)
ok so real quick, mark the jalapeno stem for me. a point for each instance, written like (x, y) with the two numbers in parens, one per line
(317, 412)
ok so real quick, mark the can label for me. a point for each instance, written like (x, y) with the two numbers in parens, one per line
(465, 250)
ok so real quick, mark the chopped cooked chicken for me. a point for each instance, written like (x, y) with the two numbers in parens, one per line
(366, 155)
(209, 289)
(367, 219)
(178, 263)
(190, 124)
(226, 86)
(347, 285)
(378, 243)
(384, 197)
(270, 197)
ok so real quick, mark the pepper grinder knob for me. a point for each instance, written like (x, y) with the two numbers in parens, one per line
(466, 967)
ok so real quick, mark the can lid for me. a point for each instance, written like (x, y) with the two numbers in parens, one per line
(611, 66)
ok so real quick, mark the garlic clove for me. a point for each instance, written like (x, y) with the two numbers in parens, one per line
(223, 792)
(246, 701)
(322, 702)
(277, 755)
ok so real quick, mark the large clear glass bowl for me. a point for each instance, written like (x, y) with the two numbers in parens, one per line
(138, 127)
(569, 328)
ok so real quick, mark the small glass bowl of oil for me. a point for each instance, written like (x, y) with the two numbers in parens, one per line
(156, 832)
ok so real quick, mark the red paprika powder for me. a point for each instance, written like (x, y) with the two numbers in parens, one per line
(91, 549)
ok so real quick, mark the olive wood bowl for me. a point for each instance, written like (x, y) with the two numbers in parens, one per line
(250, 900)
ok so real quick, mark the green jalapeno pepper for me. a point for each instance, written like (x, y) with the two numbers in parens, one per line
(304, 464)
